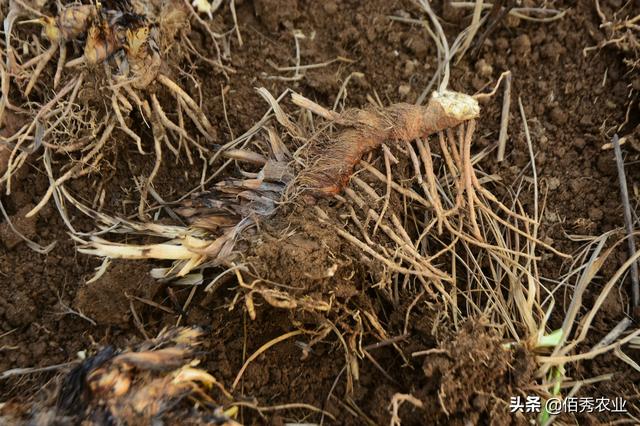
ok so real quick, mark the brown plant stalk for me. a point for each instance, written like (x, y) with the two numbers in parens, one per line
(331, 164)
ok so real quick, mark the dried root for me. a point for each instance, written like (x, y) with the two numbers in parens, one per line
(396, 401)
(331, 165)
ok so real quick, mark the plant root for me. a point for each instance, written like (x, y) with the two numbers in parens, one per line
(330, 166)
(131, 62)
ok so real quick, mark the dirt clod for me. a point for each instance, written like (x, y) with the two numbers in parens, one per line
(469, 370)
(522, 45)
(559, 116)
(106, 300)
(404, 90)
(483, 69)
(5, 153)
(24, 225)
(331, 7)
(20, 311)
(276, 13)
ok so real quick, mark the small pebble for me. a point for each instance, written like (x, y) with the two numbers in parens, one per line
(553, 183)
(419, 46)
(559, 116)
(330, 7)
(502, 43)
(551, 216)
(521, 45)
(512, 21)
(409, 68)
(477, 83)
(404, 90)
(552, 50)
(606, 164)
(595, 214)
(483, 69)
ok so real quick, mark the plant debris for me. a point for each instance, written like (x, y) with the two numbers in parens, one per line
(149, 382)
(125, 48)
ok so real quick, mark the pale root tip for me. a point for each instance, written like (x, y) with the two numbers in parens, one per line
(204, 6)
(457, 105)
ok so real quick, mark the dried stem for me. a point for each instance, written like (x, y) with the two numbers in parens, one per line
(626, 207)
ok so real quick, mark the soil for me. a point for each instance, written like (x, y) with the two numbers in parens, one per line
(573, 103)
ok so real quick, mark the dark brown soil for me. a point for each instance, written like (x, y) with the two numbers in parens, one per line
(573, 103)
